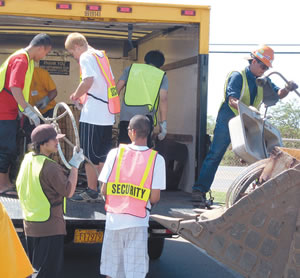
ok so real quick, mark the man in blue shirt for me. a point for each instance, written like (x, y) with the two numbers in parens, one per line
(239, 86)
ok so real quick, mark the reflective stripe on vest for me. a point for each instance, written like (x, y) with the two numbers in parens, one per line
(35, 204)
(129, 184)
(112, 94)
(143, 86)
(245, 93)
(28, 75)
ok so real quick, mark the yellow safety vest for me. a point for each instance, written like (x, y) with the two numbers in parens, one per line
(245, 93)
(35, 204)
(28, 76)
(143, 86)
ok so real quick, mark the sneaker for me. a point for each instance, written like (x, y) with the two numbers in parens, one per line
(199, 199)
(88, 195)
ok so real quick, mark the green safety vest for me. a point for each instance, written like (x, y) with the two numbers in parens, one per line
(245, 93)
(143, 86)
(28, 76)
(35, 204)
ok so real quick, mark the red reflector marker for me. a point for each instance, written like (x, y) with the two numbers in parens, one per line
(124, 9)
(93, 8)
(2, 3)
(64, 6)
(188, 12)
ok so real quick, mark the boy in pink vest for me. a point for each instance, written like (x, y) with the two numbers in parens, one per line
(132, 178)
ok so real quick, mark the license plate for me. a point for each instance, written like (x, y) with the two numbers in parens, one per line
(88, 236)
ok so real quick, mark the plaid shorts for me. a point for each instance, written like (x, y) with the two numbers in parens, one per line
(125, 253)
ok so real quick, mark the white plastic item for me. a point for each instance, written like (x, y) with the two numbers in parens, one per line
(246, 135)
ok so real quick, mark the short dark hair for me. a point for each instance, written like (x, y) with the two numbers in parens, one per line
(141, 125)
(41, 40)
(36, 147)
(155, 57)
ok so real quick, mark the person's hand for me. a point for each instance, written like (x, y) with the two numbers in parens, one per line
(163, 130)
(73, 97)
(33, 117)
(42, 103)
(77, 104)
(77, 158)
(291, 86)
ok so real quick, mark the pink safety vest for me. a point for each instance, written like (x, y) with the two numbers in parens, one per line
(112, 94)
(129, 184)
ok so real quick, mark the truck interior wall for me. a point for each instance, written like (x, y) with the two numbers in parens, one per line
(182, 105)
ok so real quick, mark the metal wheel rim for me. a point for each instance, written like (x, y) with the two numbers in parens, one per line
(69, 112)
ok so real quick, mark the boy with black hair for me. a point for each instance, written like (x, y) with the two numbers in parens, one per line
(137, 94)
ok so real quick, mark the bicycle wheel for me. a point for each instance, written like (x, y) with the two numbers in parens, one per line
(73, 122)
(243, 182)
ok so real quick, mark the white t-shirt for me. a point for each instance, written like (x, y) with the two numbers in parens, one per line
(123, 221)
(94, 111)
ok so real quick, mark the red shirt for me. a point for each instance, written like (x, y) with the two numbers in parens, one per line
(15, 77)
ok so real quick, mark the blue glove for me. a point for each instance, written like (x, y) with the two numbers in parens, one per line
(42, 103)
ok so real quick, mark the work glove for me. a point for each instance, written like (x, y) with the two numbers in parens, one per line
(33, 117)
(42, 103)
(77, 158)
(163, 130)
(77, 104)
(291, 86)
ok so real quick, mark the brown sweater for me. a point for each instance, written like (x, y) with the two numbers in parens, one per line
(55, 185)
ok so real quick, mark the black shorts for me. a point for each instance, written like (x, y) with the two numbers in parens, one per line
(46, 255)
(96, 141)
(8, 144)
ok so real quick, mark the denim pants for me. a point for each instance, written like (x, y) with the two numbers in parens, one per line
(221, 141)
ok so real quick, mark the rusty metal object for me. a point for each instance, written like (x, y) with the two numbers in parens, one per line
(259, 235)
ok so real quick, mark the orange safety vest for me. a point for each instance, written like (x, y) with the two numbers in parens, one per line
(129, 184)
(112, 94)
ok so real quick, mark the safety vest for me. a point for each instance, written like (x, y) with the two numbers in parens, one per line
(28, 76)
(245, 93)
(143, 86)
(112, 94)
(129, 184)
(35, 204)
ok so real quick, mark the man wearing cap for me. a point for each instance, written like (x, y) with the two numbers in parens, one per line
(42, 186)
(239, 86)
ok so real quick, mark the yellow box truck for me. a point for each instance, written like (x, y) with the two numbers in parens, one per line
(126, 31)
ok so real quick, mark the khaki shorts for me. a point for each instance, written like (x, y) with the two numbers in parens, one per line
(125, 253)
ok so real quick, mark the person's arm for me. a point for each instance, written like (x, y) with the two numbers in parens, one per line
(72, 179)
(163, 104)
(233, 102)
(154, 196)
(120, 85)
(83, 88)
(52, 94)
(103, 189)
(18, 95)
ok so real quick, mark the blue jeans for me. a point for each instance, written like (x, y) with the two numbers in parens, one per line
(221, 141)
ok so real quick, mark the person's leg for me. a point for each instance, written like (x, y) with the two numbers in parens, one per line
(8, 153)
(221, 141)
(149, 138)
(136, 259)
(123, 133)
(112, 254)
(96, 142)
